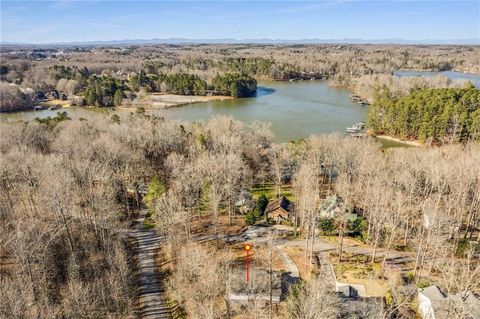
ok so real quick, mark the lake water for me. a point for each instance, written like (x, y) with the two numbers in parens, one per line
(295, 109)
(474, 78)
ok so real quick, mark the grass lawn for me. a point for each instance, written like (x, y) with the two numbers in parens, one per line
(270, 190)
(63, 103)
(354, 271)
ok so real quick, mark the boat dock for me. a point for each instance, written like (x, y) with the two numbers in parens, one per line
(359, 99)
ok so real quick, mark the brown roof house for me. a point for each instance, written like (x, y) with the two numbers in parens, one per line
(279, 210)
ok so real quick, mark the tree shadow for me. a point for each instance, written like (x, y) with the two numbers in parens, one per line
(287, 281)
(263, 91)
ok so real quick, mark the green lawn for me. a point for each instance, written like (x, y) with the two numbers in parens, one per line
(270, 190)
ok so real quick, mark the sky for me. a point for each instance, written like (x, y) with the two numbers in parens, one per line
(78, 21)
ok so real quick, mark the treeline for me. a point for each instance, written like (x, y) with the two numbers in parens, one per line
(236, 85)
(191, 69)
(434, 115)
(183, 84)
(369, 86)
(109, 90)
(104, 91)
(229, 84)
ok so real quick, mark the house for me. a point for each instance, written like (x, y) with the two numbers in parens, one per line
(279, 209)
(331, 207)
(244, 202)
(350, 290)
(347, 291)
(52, 95)
(433, 303)
(241, 292)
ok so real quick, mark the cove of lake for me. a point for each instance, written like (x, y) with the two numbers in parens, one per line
(295, 110)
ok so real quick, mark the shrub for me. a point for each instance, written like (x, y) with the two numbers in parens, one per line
(424, 283)
(462, 248)
(115, 119)
(262, 203)
(251, 217)
(326, 225)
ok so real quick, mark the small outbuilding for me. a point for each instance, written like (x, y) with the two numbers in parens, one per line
(279, 210)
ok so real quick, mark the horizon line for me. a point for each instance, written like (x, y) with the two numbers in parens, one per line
(180, 40)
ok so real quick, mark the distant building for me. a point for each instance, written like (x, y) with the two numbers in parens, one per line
(244, 202)
(435, 304)
(279, 210)
(331, 207)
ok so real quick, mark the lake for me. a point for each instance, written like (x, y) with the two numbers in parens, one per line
(474, 78)
(295, 109)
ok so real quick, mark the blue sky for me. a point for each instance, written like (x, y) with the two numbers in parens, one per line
(70, 21)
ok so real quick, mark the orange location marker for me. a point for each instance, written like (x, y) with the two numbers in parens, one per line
(247, 248)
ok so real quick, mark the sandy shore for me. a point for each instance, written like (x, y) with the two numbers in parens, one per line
(412, 143)
(163, 101)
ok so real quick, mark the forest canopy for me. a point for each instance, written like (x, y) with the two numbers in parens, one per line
(235, 84)
(436, 115)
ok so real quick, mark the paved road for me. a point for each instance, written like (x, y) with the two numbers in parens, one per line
(151, 295)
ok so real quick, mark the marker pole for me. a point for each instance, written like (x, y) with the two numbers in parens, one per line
(248, 265)
(247, 248)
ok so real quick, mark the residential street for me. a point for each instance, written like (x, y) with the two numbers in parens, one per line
(151, 294)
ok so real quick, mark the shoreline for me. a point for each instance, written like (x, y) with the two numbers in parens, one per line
(433, 71)
(395, 139)
(156, 101)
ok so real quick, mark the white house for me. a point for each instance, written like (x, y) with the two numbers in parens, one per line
(430, 302)
(435, 304)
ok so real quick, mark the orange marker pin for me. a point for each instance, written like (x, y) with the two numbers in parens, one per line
(247, 248)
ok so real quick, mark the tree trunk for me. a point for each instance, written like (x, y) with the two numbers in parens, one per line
(340, 252)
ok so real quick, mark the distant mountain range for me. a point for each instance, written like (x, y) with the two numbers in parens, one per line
(472, 41)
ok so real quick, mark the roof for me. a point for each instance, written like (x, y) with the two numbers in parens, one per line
(330, 203)
(244, 199)
(433, 293)
(281, 202)
(443, 304)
